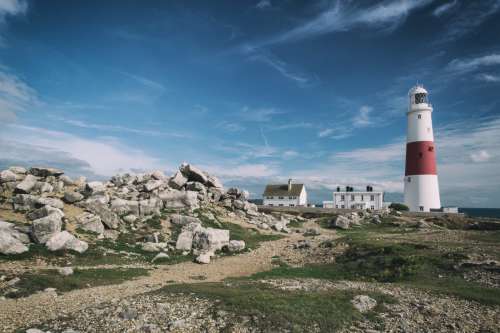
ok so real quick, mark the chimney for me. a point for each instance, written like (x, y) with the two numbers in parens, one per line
(289, 185)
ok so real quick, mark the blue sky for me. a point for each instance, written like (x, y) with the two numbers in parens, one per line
(253, 91)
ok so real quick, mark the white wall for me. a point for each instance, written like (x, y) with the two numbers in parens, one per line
(359, 198)
(300, 200)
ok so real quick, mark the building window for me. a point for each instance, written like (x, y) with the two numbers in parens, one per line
(271, 205)
(342, 197)
(291, 205)
(372, 198)
(291, 197)
(352, 197)
(342, 206)
(421, 208)
(281, 197)
(362, 197)
(372, 207)
(281, 205)
(336, 206)
(419, 116)
(269, 197)
(409, 179)
(352, 206)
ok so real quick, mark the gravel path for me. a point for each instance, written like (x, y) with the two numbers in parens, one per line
(43, 306)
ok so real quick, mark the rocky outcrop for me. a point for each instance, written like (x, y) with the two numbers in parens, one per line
(11, 240)
(44, 228)
(65, 241)
(90, 222)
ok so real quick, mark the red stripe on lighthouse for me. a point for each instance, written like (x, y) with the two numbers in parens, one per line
(420, 158)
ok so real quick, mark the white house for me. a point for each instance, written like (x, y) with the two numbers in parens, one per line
(350, 199)
(285, 195)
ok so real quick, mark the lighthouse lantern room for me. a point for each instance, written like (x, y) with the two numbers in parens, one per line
(421, 188)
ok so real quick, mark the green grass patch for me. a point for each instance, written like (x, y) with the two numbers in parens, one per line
(37, 281)
(295, 223)
(251, 236)
(279, 310)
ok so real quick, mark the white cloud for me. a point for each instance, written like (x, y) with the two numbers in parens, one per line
(242, 171)
(325, 132)
(362, 119)
(230, 127)
(488, 77)
(343, 16)
(444, 8)
(462, 66)
(290, 154)
(258, 114)
(480, 156)
(15, 95)
(263, 4)
(144, 81)
(102, 156)
(12, 7)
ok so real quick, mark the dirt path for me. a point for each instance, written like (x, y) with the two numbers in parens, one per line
(37, 308)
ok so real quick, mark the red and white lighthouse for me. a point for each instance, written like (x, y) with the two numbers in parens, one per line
(421, 182)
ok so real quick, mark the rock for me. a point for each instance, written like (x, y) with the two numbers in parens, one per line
(43, 212)
(90, 222)
(363, 303)
(18, 232)
(24, 202)
(27, 185)
(158, 175)
(110, 219)
(44, 187)
(151, 247)
(66, 241)
(7, 176)
(151, 206)
(152, 185)
(160, 256)
(65, 271)
(182, 220)
(213, 181)
(376, 220)
(312, 232)
(179, 199)
(122, 207)
(245, 195)
(34, 330)
(18, 170)
(45, 172)
(177, 324)
(238, 204)
(184, 241)
(96, 200)
(192, 173)
(13, 281)
(204, 258)
(9, 244)
(177, 181)
(44, 228)
(341, 222)
(72, 196)
(302, 244)
(129, 218)
(93, 188)
(236, 245)
(53, 202)
(210, 239)
(66, 180)
(196, 186)
(128, 314)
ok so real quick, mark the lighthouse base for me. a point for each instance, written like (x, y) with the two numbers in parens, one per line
(422, 193)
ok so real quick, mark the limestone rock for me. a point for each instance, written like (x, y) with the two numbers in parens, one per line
(160, 256)
(213, 181)
(236, 245)
(9, 244)
(44, 228)
(363, 303)
(27, 185)
(65, 271)
(158, 175)
(179, 199)
(131, 218)
(152, 185)
(45, 172)
(43, 212)
(312, 232)
(93, 188)
(177, 181)
(72, 196)
(7, 176)
(178, 219)
(110, 219)
(18, 170)
(204, 258)
(184, 241)
(151, 206)
(192, 173)
(66, 241)
(210, 239)
(24, 202)
(90, 222)
(43, 187)
(53, 202)
(341, 222)
(66, 180)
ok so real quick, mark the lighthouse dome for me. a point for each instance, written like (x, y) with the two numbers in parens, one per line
(418, 89)
(418, 99)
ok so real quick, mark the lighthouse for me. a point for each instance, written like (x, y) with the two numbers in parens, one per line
(421, 182)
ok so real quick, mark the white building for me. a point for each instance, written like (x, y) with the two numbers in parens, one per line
(350, 199)
(285, 195)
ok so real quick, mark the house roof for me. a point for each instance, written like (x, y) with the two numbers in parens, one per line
(282, 190)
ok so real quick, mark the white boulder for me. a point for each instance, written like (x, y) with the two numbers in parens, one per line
(65, 241)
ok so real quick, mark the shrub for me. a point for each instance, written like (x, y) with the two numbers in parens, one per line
(399, 206)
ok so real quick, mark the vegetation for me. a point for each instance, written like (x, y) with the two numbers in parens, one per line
(273, 309)
(36, 281)
(399, 207)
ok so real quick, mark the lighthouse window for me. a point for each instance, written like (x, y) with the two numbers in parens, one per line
(409, 179)
(431, 148)
(420, 98)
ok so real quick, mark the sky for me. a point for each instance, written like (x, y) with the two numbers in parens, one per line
(255, 92)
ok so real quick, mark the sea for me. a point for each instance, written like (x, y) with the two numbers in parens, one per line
(481, 212)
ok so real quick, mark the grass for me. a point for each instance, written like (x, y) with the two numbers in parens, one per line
(33, 282)
(295, 223)
(277, 310)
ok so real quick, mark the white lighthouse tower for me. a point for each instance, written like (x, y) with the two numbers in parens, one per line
(421, 182)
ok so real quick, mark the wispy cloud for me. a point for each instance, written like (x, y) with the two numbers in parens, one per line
(9, 8)
(468, 17)
(263, 4)
(462, 66)
(445, 8)
(362, 119)
(144, 81)
(230, 126)
(259, 114)
(344, 16)
(15, 95)
(488, 77)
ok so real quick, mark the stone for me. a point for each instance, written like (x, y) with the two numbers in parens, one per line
(34, 330)
(204, 258)
(210, 239)
(196, 186)
(24, 202)
(302, 244)
(18, 170)
(184, 241)
(179, 199)
(65, 241)
(177, 181)
(45, 172)
(53, 202)
(110, 219)
(376, 220)
(158, 175)
(312, 232)
(213, 181)
(18, 232)
(245, 195)
(160, 256)
(128, 314)
(192, 173)
(43, 212)
(65, 271)
(66, 180)
(7, 176)
(27, 185)
(44, 187)
(90, 222)
(93, 188)
(238, 204)
(182, 220)
(44, 228)
(236, 245)
(341, 222)
(131, 218)
(363, 303)
(96, 200)
(151, 247)
(72, 196)
(152, 185)
(9, 244)
(151, 206)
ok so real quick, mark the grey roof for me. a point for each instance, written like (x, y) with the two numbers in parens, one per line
(282, 190)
